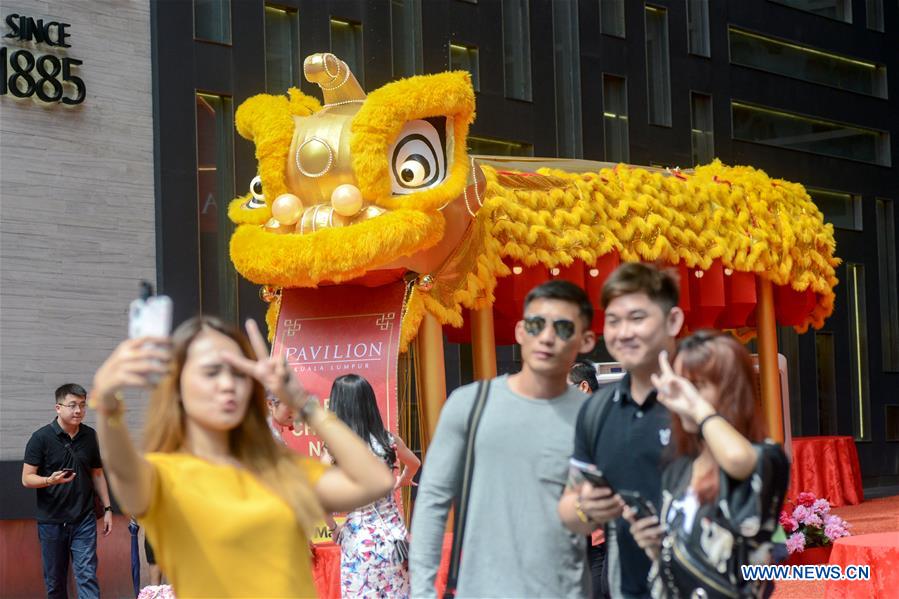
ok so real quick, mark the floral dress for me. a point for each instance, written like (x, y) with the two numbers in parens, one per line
(373, 549)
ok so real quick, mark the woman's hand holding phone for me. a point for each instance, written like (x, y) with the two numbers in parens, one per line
(647, 532)
(134, 364)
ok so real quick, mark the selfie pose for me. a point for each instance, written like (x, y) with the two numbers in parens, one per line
(227, 508)
(373, 539)
(722, 495)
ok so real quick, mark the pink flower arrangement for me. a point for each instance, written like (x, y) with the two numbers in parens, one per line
(810, 524)
(162, 591)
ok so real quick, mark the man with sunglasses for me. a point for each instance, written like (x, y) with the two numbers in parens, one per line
(62, 461)
(623, 430)
(514, 544)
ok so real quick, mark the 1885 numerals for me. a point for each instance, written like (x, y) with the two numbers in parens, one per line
(25, 76)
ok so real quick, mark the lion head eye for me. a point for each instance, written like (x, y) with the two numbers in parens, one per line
(418, 157)
(258, 199)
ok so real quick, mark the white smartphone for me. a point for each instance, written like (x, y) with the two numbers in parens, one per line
(150, 316)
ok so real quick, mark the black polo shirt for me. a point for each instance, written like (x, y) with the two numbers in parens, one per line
(628, 450)
(50, 449)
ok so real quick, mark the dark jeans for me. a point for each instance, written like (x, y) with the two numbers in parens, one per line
(57, 542)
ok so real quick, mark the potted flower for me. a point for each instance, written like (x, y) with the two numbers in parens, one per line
(811, 530)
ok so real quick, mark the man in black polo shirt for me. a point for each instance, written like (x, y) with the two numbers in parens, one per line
(626, 430)
(62, 461)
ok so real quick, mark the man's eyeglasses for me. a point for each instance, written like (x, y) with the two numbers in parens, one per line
(81, 406)
(534, 325)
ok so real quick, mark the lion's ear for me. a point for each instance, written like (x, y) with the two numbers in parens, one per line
(264, 113)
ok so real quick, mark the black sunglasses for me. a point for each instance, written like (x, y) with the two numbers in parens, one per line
(534, 325)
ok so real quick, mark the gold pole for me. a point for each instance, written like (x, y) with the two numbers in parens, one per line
(483, 344)
(770, 377)
(431, 374)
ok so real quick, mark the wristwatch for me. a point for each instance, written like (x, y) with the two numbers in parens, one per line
(107, 508)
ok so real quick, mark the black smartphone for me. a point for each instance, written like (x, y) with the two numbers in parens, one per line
(591, 474)
(642, 506)
(68, 471)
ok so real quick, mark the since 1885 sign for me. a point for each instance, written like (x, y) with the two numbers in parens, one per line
(47, 78)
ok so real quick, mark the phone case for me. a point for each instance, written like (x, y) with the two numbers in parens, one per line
(151, 317)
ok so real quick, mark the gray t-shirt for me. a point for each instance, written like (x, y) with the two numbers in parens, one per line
(515, 544)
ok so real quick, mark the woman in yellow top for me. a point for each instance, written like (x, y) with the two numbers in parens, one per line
(228, 510)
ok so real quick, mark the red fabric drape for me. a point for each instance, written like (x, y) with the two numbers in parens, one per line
(880, 551)
(827, 467)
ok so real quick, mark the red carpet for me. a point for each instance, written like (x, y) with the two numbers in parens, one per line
(876, 515)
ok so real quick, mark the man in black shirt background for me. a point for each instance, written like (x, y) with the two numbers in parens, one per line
(626, 437)
(62, 461)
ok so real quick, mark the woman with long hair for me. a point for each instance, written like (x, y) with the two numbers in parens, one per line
(228, 509)
(373, 540)
(722, 493)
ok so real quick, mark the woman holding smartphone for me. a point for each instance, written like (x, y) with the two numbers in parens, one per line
(228, 509)
(722, 494)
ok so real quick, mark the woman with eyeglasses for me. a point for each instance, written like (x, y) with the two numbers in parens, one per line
(373, 540)
(227, 508)
(722, 493)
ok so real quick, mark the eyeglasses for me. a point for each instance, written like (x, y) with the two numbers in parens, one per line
(81, 406)
(534, 325)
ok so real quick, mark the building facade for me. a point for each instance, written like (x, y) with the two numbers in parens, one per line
(132, 182)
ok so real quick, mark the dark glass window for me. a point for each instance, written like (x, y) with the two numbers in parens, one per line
(874, 14)
(843, 210)
(517, 49)
(698, 27)
(702, 135)
(657, 68)
(346, 44)
(827, 383)
(215, 188)
(566, 51)
(405, 32)
(809, 134)
(465, 58)
(858, 337)
(282, 50)
(888, 284)
(212, 20)
(840, 10)
(614, 116)
(809, 64)
(611, 17)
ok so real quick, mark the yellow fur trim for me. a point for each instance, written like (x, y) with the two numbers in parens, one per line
(738, 214)
(271, 317)
(381, 118)
(267, 121)
(336, 254)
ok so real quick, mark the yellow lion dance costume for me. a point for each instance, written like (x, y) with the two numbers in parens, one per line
(382, 186)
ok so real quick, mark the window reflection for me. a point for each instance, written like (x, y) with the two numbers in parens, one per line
(282, 50)
(215, 188)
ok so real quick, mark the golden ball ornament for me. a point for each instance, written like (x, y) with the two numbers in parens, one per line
(346, 200)
(287, 208)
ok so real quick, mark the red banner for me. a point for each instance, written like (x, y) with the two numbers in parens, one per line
(327, 332)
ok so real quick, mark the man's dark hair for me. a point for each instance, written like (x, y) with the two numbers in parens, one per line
(70, 389)
(659, 285)
(583, 370)
(565, 291)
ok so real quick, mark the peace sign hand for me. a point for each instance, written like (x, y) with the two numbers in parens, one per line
(274, 374)
(678, 394)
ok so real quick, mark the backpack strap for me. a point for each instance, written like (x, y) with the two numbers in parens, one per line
(597, 411)
(461, 511)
